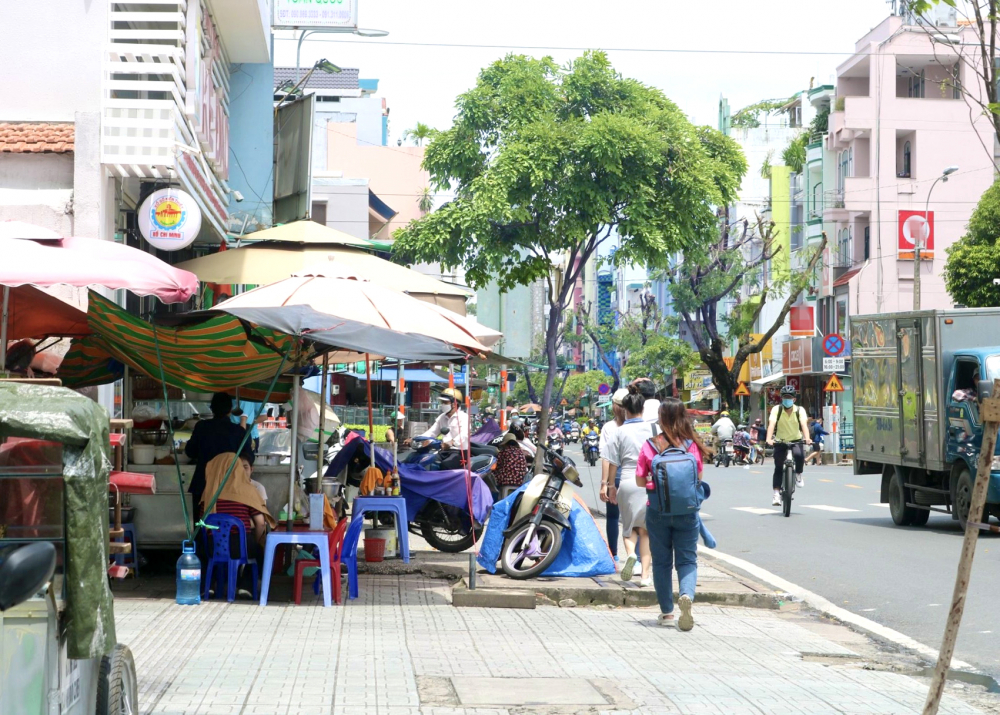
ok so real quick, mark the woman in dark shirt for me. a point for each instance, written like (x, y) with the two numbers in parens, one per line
(511, 463)
(211, 438)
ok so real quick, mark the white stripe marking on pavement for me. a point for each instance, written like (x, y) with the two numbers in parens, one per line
(822, 604)
(823, 507)
(885, 505)
(755, 510)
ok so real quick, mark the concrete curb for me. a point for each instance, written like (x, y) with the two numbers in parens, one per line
(463, 597)
(620, 597)
(813, 600)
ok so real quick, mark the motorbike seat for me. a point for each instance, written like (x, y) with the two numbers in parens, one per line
(483, 449)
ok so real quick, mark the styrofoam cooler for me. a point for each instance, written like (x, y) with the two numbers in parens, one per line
(315, 512)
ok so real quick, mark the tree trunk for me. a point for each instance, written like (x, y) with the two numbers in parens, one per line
(721, 375)
(558, 396)
(532, 397)
(551, 338)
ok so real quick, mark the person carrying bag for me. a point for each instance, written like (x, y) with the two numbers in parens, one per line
(670, 468)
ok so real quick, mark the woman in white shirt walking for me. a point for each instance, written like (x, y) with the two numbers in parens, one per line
(623, 451)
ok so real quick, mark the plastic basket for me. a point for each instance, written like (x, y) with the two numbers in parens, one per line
(374, 550)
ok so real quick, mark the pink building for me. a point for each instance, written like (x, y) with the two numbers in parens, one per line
(393, 173)
(898, 121)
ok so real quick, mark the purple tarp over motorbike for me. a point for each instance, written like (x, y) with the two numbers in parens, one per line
(487, 433)
(417, 485)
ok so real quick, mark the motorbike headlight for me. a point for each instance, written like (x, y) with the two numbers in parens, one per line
(996, 463)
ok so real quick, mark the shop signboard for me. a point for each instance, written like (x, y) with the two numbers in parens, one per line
(758, 364)
(911, 227)
(802, 321)
(207, 98)
(797, 357)
(315, 15)
(169, 219)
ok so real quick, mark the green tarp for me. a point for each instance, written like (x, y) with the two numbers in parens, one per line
(81, 426)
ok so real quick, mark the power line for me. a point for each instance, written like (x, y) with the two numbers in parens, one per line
(553, 48)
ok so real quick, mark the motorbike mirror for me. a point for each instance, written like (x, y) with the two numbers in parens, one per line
(985, 389)
(444, 430)
(25, 573)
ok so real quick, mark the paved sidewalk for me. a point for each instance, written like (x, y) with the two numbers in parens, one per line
(402, 649)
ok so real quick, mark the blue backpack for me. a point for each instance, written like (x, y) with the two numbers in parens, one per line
(675, 474)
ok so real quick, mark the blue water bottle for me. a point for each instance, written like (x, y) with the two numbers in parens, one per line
(188, 576)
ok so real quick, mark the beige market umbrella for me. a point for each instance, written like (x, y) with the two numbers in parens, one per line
(266, 263)
(307, 232)
(352, 314)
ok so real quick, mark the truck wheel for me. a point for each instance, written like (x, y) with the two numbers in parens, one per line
(117, 687)
(963, 496)
(920, 517)
(902, 515)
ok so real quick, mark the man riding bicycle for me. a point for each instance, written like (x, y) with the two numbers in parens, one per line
(787, 424)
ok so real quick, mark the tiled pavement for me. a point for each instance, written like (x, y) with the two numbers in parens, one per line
(401, 648)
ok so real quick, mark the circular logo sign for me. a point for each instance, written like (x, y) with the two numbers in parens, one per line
(169, 219)
(603, 389)
(916, 227)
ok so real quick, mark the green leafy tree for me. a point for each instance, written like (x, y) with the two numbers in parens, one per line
(548, 161)
(425, 200)
(794, 155)
(659, 358)
(974, 260)
(419, 134)
(709, 277)
(749, 117)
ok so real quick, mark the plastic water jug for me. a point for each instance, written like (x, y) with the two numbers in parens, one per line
(188, 576)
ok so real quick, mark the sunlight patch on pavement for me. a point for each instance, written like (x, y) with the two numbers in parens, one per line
(825, 480)
(755, 510)
(824, 507)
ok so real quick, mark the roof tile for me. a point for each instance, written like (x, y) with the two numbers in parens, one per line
(36, 137)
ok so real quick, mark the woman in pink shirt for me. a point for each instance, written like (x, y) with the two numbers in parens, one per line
(672, 538)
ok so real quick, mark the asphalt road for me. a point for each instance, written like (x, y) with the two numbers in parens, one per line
(840, 543)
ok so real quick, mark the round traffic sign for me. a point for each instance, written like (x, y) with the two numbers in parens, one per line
(604, 389)
(833, 345)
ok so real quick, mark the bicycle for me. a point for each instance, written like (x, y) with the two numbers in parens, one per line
(788, 477)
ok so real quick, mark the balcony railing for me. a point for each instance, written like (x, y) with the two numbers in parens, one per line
(841, 255)
(833, 199)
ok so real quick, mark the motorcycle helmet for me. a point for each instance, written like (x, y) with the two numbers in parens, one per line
(741, 427)
(787, 391)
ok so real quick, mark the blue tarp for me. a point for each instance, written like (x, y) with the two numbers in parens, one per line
(388, 374)
(417, 485)
(584, 551)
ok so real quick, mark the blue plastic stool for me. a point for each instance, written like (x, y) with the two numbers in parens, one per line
(397, 505)
(319, 539)
(130, 559)
(228, 564)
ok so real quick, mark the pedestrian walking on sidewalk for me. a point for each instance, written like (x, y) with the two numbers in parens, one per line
(623, 452)
(818, 433)
(673, 540)
(610, 473)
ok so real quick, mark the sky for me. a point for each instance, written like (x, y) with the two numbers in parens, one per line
(421, 81)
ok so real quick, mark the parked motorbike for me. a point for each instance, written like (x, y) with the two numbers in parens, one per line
(538, 518)
(591, 447)
(446, 527)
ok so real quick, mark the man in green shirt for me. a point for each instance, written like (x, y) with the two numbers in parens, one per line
(788, 423)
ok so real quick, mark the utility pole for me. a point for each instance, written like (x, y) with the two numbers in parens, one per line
(918, 241)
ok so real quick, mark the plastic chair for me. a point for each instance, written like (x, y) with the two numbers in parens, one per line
(349, 555)
(397, 505)
(221, 557)
(336, 548)
(131, 559)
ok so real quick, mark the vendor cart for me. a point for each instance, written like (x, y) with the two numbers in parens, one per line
(58, 650)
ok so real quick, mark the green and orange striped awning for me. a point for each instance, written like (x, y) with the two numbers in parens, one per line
(217, 355)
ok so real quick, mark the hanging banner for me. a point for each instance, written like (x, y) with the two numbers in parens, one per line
(169, 219)
(315, 15)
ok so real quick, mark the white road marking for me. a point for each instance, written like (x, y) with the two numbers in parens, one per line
(885, 505)
(755, 510)
(822, 604)
(867, 610)
(704, 515)
(823, 507)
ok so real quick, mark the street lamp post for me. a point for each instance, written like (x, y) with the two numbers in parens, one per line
(361, 32)
(919, 240)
